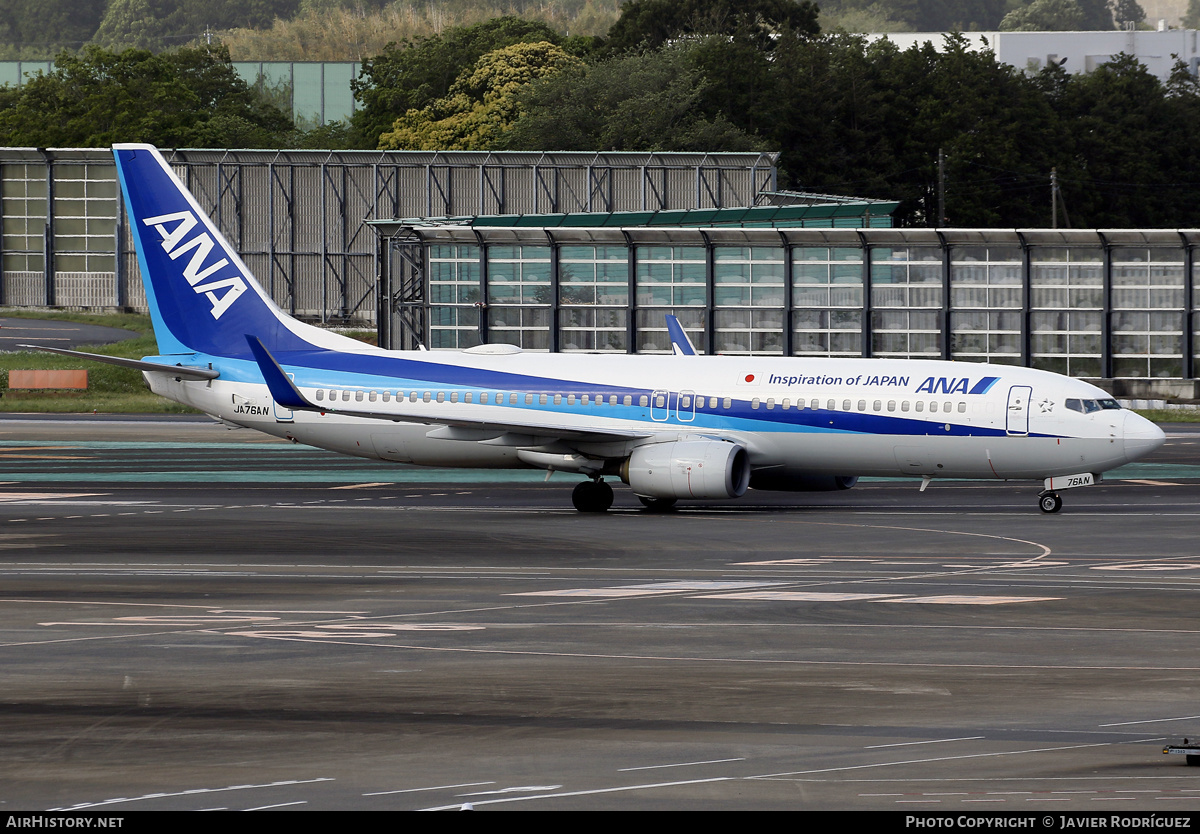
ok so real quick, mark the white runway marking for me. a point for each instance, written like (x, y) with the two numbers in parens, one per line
(955, 599)
(679, 764)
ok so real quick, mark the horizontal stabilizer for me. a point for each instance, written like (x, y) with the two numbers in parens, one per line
(154, 367)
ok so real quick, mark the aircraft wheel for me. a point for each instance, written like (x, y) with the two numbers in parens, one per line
(592, 496)
(1051, 502)
(657, 505)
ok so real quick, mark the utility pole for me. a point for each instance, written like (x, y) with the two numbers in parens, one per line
(1053, 198)
(941, 218)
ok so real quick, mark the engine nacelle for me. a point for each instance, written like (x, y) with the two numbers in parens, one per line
(788, 482)
(688, 469)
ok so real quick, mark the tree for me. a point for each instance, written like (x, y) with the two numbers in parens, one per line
(1044, 16)
(158, 24)
(187, 98)
(1191, 18)
(413, 74)
(1126, 12)
(43, 26)
(652, 101)
(648, 24)
(482, 104)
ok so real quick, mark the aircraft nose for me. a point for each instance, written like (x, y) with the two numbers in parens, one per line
(1141, 437)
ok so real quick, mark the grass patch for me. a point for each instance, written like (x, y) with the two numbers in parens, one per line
(1171, 415)
(110, 389)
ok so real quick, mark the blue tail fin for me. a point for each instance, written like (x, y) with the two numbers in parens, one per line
(202, 297)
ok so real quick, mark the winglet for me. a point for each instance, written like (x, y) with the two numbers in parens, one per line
(680, 343)
(283, 390)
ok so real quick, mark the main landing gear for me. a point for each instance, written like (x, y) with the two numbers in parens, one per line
(1050, 502)
(592, 496)
(657, 505)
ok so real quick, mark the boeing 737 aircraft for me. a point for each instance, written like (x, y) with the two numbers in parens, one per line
(671, 427)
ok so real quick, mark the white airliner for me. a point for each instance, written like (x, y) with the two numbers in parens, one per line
(672, 427)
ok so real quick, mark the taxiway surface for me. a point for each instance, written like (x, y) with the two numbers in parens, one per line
(196, 618)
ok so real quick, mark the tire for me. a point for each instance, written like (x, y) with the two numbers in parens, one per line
(1051, 502)
(592, 496)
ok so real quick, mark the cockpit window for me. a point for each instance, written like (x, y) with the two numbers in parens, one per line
(1090, 406)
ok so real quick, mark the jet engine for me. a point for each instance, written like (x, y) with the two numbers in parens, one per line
(688, 469)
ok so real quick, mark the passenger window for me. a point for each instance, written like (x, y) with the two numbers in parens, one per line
(483, 398)
(891, 405)
(845, 405)
(770, 403)
(962, 408)
(412, 396)
(345, 395)
(529, 399)
(543, 399)
(754, 403)
(831, 405)
(643, 400)
(904, 405)
(786, 403)
(585, 400)
(454, 396)
(933, 408)
(947, 407)
(358, 396)
(877, 405)
(685, 402)
(387, 396)
(558, 399)
(660, 401)
(816, 405)
(373, 396)
(920, 406)
(862, 405)
(712, 403)
(728, 403)
(629, 400)
(467, 397)
(441, 397)
(512, 399)
(320, 395)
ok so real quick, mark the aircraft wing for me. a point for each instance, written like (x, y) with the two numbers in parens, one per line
(506, 433)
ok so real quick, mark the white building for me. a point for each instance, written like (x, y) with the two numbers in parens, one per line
(1082, 51)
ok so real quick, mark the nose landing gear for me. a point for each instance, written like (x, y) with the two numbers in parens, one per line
(1050, 502)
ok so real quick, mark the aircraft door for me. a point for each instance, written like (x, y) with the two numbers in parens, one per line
(660, 405)
(685, 406)
(1018, 409)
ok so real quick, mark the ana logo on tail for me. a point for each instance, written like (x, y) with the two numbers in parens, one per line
(195, 271)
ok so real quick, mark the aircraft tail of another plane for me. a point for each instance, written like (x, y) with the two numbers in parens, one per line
(202, 298)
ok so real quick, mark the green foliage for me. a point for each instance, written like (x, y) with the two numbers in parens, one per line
(482, 104)
(413, 75)
(1044, 16)
(186, 98)
(37, 28)
(1191, 18)
(649, 101)
(158, 24)
(916, 15)
(648, 24)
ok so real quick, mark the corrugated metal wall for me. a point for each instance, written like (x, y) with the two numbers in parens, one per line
(297, 217)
